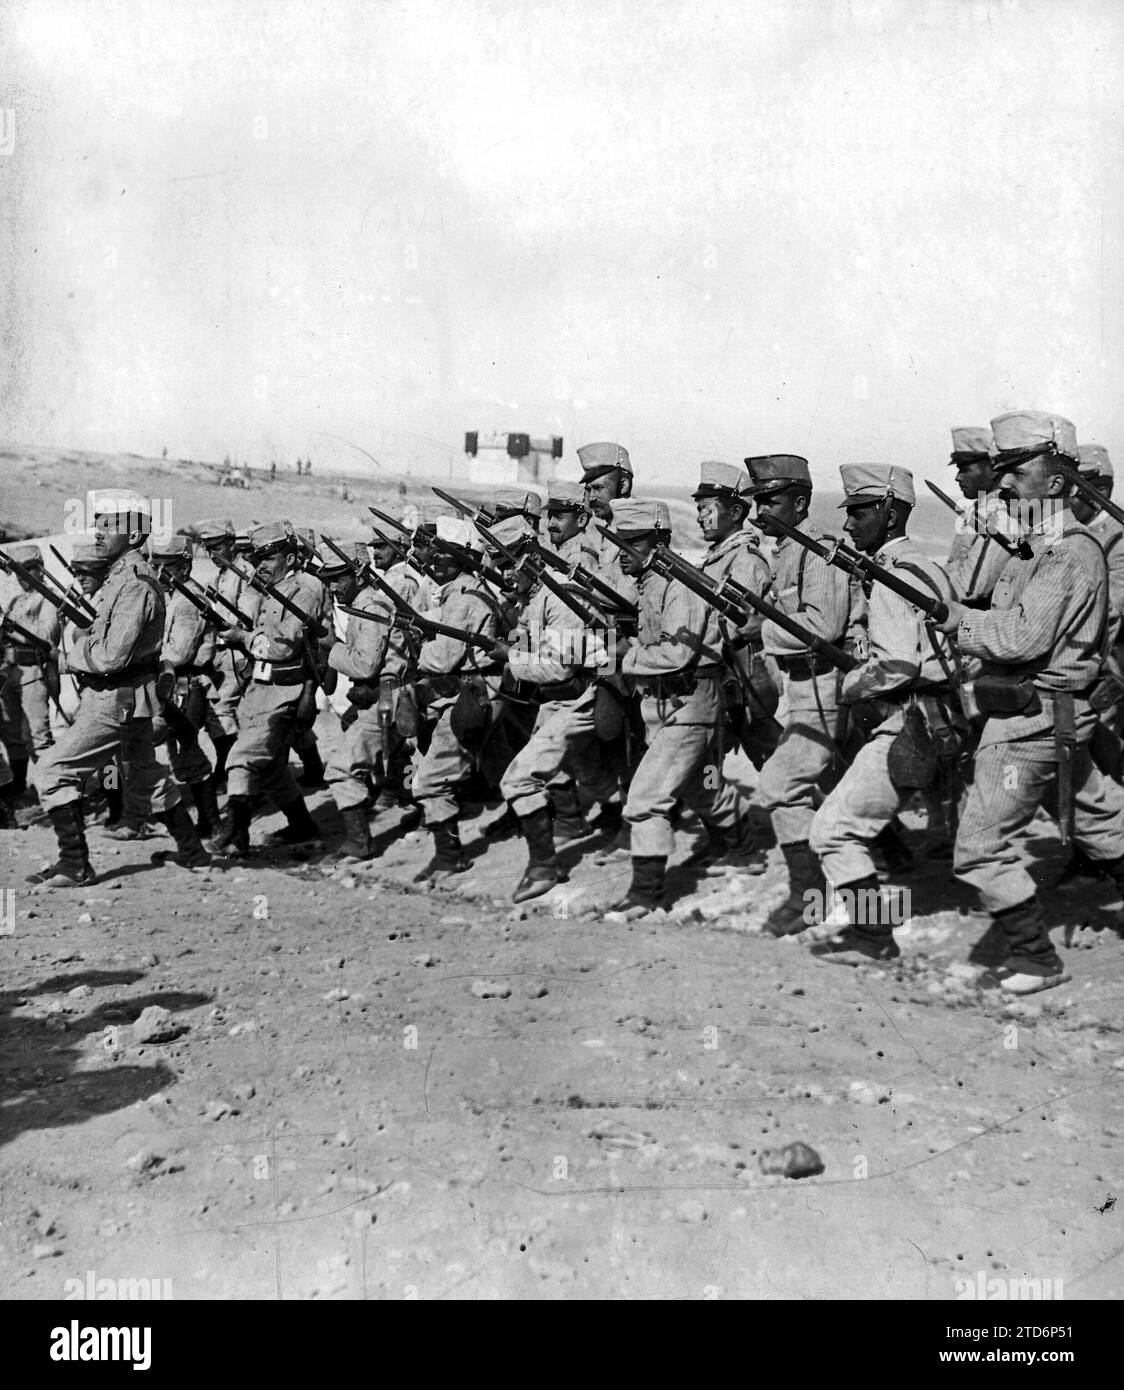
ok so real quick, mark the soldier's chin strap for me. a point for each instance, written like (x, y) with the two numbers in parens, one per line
(887, 517)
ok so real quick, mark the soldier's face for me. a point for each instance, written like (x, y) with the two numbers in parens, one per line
(564, 526)
(273, 568)
(345, 588)
(90, 581)
(384, 557)
(974, 478)
(864, 526)
(36, 570)
(1030, 490)
(785, 505)
(223, 549)
(717, 520)
(110, 541)
(600, 492)
(634, 561)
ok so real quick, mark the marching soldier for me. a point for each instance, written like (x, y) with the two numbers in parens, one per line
(976, 560)
(676, 663)
(1042, 642)
(509, 502)
(607, 477)
(118, 658)
(568, 524)
(231, 667)
(905, 669)
(396, 698)
(305, 743)
(557, 656)
(187, 654)
(278, 647)
(722, 501)
(375, 657)
(818, 594)
(32, 676)
(450, 676)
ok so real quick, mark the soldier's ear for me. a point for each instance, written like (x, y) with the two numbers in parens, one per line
(624, 487)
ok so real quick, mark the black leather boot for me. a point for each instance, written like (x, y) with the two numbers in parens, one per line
(19, 774)
(804, 873)
(223, 744)
(357, 839)
(647, 892)
(72, 869)
(312, 777)
(543, 872)
(868, 934)
(189, 847)
(448, 857)
(301, 830)
(7, 808)
(233, 838)
(1032, 964)
(206, 807)
(569, 822)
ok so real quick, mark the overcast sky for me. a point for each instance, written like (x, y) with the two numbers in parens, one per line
(706, 230)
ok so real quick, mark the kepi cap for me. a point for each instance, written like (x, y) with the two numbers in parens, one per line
(269, 539)
(1093, 461)
(633, 518)
(172, 547)
(1034, 431)
(459, 531)
(215, 529)
(26, 554)
(564, 497)
(721, 480)
(85, 559)
(970, 444)
(873, 482)
(597, 459)
(773, 472)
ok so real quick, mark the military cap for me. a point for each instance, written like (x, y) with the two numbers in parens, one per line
(514, 502)
(873, 482)
(510, 530)
(632, 518)
(1033, 432)
(215, 529)
(460, 531)
(170, 548)
(721, 480)
(26, 554)
(564, 497)
(1093, 461)
(772, 472)
(598, 459)
(269, 539)
(333, 567)
(85, 559)
(970, 444)
(128, 504)
(242, 543)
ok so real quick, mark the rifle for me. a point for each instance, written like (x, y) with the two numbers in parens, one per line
(72, 594)
(406, 617)
(41, 644)
(856, 563)
(579, 574)
(355, 566)
(400, 550)
(263, 586)
(213, 596)
(1020, 547)
(1091, 491)
(588, 617)
(731, 599)
(76, 615)
(198, 602)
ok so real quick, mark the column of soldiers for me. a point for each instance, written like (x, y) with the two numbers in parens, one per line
(588, 666)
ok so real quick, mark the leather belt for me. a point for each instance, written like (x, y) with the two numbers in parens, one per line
(572, 689)
(803, 668)
(278, 673)
(139, 672)
(682, 682)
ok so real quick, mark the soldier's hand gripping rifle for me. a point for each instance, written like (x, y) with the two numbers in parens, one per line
(404, 617)
(1020, 547)
(199, 600)
(856, 563)
(213, 596)
(78, 616)
(72, 593)
(576, 574)
(738, 603)
(47, 661)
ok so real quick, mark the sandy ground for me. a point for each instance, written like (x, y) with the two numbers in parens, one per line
(384, 1092)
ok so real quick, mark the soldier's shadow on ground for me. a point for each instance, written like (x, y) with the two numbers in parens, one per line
(44, 1083)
